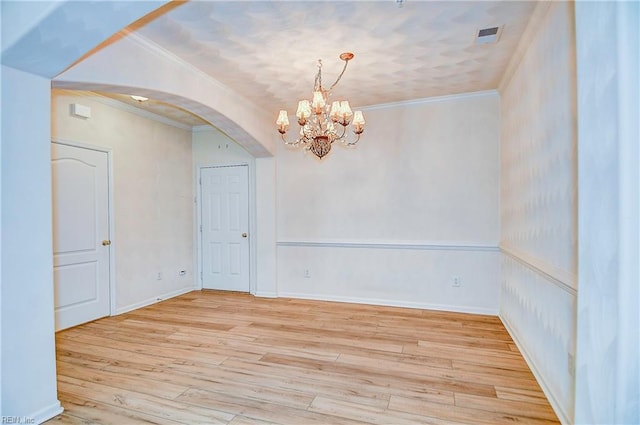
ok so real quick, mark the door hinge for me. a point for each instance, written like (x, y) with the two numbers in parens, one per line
(201, 278)
(195, 199)
(201, 228)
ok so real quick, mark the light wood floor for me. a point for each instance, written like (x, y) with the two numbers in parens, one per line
(227, 358)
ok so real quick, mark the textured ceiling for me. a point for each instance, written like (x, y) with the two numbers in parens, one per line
(267, 51)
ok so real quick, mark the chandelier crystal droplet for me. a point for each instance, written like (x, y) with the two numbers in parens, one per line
(323, 122)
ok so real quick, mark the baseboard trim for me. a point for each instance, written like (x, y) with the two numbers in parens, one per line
(391, 303)
(45, 414)
(154, 300)
(263, 294)
(555, 405)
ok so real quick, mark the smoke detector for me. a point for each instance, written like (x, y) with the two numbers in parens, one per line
(488, 35)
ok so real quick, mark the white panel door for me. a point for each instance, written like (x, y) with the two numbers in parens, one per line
(224, 194)
(81, 246)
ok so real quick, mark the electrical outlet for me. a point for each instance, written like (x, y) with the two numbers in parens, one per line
(307, 274)
(455, 281)
(159, 277)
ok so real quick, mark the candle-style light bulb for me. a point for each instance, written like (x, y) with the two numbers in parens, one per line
(358, 122)
(335, 111)
(318, 102)
(283, 122)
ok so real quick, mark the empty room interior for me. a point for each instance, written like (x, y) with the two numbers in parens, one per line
(330, 212)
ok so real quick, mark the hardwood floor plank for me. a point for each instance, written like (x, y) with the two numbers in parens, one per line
(518, 394)
(110, 353)
(306, 382)
(229, 358)
(371, 415)
(459, 414)
(93, 361)
(494, 370)
(509, 407)
(243, 420)
(473, 356)
(161, 409)
(120, 381)
(92, 412)
(135, 348)
(258, 409)
(217, 383)
(67, 419)
(362, 341)
(359, 373)
(343, 349)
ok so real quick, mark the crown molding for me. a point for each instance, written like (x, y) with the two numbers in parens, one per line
(434, 99)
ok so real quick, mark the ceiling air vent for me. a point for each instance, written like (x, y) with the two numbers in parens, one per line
(488, 35)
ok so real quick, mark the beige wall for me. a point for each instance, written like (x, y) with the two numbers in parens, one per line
(394, 219)
(212, 147)
(153, 204)
(538, 200)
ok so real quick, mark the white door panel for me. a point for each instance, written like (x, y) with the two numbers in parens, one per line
(80, 224)
(224, 194)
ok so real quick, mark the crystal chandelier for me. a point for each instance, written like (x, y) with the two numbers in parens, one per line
(319, 120)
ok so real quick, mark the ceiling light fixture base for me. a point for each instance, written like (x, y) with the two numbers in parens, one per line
(346, 56)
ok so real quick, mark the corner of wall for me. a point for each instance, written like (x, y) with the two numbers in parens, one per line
(538, 205)
(28, 375)
(529, 34)
(608, 341)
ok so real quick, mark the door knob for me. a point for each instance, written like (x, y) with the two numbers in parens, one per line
(244, 235)
(106, 242)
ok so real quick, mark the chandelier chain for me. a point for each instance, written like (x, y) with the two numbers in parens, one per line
(317, 84)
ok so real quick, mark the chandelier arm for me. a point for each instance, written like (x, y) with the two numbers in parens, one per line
(346, 62)
(354, 142)
(344, 132)
(286, 142)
